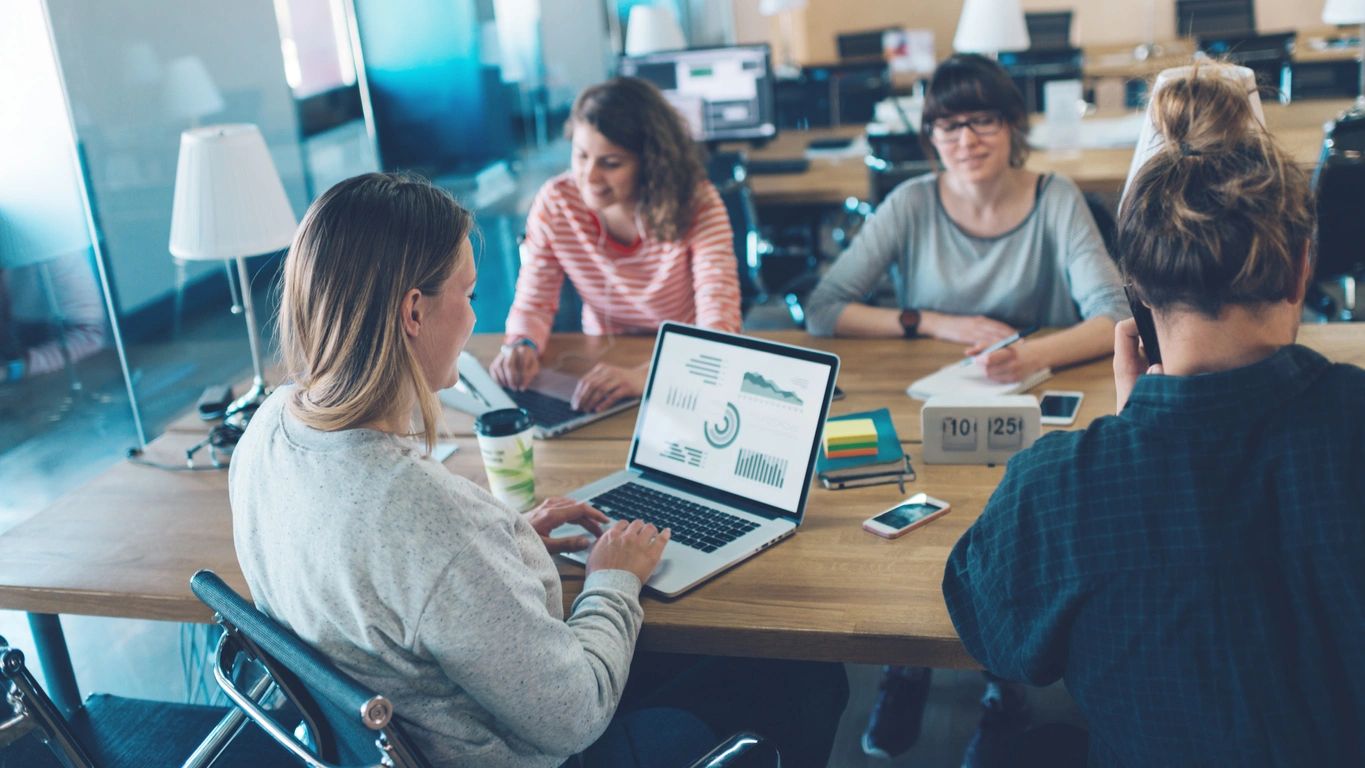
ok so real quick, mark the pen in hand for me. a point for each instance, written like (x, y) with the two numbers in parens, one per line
(1005, 342)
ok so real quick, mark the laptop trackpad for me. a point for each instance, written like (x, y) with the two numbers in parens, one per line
(556, 384)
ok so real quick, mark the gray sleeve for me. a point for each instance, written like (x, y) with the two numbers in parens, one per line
(1096, 286)
(883, 238)
(554, 684)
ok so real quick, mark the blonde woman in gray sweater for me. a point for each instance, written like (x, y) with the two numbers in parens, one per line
(413, 580)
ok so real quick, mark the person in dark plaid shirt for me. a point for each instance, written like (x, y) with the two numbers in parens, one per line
(1194, 567)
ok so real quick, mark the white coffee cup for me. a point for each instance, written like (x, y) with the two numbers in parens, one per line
(505, 441)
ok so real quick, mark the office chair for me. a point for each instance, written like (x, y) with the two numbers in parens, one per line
(728, 172)
(1195, 18)
(117, 732)
(1339, 182)
(343, 723)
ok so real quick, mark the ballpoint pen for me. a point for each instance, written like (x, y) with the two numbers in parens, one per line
(1005, 342)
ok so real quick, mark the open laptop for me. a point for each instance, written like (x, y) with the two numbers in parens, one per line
(723, 452)
(547, 399)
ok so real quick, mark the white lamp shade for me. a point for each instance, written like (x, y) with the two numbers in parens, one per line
(1344, 12)
(189, 93)
(651, 28)
(991, 26)
(1150, 141)
(774, 7)
(229, 201)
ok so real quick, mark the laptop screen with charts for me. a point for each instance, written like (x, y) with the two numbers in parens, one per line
(723, 452)
(736, 415)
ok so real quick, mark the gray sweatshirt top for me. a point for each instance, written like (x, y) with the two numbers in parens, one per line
(1051, 270)
(426, 589)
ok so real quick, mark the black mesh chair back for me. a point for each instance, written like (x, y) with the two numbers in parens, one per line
(1048, 30)
(346, 724)
(1339, 183)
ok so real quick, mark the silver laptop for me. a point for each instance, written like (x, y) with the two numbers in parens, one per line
(547, 398)
(723, 452)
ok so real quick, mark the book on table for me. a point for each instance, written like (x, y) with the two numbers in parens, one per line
(889, 464)
(970, 379)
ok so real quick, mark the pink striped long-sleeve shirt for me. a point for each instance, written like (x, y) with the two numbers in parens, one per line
(625, 289)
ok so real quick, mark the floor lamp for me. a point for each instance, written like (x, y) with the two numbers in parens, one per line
(230, 204)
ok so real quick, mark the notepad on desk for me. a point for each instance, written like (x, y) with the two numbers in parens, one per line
(970, 379)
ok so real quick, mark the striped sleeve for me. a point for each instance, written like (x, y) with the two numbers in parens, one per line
(540, 278)
(715, 272)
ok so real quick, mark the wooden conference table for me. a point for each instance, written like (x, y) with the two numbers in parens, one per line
(125, 544)
(830, 180)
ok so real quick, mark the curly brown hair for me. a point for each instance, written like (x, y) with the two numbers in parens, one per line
(1221, 215)
(633, 115)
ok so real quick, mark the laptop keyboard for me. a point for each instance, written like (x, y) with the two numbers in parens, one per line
(694, 525)
(546, 410)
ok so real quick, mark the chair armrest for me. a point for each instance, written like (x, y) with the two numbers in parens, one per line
(742, 750)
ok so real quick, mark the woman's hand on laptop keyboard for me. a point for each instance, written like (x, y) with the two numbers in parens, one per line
(605, 384)
(635, 546)
(556, 511)
(515, 366)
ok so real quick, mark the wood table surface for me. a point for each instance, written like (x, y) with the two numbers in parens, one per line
(126, 543)
(832, 180)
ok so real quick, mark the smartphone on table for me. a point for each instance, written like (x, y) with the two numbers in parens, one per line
(1060, 407)
(906, 516)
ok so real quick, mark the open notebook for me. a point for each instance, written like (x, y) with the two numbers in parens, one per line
(970, 379)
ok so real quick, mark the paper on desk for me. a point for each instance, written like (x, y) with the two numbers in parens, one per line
(970, 380)
(444, 450)
(1096, 133)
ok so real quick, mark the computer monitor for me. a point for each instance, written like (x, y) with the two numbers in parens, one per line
(862, 45)
(1215, 18)
(1048, 30)
(724, 93)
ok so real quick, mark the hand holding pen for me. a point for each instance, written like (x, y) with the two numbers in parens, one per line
(1007, 359)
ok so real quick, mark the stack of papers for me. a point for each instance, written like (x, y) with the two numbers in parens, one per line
(970, 379)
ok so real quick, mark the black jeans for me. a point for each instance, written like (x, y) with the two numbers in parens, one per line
(796, 705)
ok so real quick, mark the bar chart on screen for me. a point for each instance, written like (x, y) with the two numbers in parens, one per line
(761, 467)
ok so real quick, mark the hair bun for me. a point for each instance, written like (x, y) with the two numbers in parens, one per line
(1206, 107)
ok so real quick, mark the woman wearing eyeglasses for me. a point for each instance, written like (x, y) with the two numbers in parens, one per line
(983, 247)
(977, 251)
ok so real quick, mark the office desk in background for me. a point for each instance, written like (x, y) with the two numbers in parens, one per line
(125, 544)
(832, 180)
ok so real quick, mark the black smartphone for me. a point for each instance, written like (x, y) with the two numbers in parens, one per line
(1142, 315)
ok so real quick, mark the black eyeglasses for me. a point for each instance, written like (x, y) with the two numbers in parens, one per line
(981, 125)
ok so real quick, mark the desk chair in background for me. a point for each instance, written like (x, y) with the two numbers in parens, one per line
(117, 732)
(1339, 182)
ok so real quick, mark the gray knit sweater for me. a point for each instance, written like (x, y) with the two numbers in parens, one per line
(1051, 270)
(426, 589)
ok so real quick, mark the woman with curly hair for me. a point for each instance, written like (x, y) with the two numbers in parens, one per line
(638, 230)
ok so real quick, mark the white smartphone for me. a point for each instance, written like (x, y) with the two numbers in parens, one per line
(1060, 408)
(906, 516)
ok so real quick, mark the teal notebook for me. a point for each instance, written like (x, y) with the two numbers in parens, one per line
(889, 451)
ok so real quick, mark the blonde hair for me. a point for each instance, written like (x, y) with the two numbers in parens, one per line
(1221, 215)
(633, 114)
(362, 246)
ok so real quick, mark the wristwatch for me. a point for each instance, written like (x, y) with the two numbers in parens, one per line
(521, 342)
(910, 323)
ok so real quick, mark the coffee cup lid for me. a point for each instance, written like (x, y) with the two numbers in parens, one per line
(502, 422)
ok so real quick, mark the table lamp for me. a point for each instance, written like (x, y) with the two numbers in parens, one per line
(230, 204)
(651, 28)
(1350, 12)
(188, 92)
(1150, 140)
(783, 9)
(990, 27)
